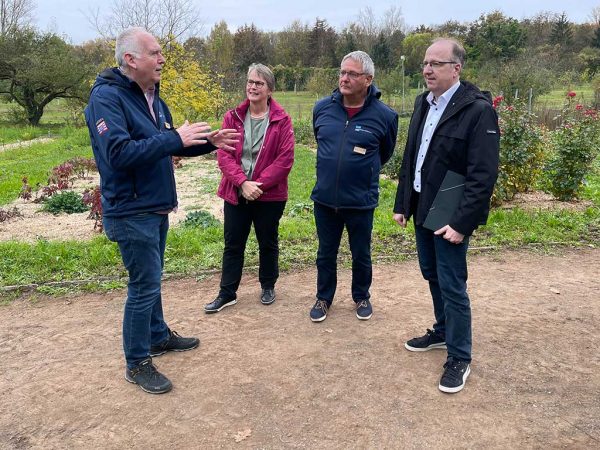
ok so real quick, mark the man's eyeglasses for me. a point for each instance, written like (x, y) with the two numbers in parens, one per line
(353, 75)
(258, 84)
(436, 64)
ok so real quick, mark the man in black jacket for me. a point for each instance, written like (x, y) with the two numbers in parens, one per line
(453, 127)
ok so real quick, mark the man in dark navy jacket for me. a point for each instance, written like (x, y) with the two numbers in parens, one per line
(453, 127)
(133, 139)
(355, 134)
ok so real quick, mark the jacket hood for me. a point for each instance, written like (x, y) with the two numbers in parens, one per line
(276, 111)
(372, 92)
(114, 77)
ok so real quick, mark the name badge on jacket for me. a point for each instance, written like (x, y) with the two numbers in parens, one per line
(360, 150)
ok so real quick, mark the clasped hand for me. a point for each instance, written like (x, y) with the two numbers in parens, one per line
(199, 133)
(251, 190)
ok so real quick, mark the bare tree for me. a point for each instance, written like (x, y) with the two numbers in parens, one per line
(167, 19)
(14, 14)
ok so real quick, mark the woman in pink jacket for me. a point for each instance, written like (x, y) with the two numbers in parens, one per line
(254, 185)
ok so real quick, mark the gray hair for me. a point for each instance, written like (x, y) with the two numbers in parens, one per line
(127, 42)
(367, 63)
(458, 51)
(265, 73)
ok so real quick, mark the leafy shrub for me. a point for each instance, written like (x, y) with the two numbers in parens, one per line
(303, 132)
(521, 151)
(64, 202)
(323, 81)
(392, 167)
(576, 145)
(200, 219)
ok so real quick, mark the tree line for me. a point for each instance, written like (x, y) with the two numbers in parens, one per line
(503, 54)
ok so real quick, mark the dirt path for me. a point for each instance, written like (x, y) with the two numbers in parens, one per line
(266, 377)
(19, 144)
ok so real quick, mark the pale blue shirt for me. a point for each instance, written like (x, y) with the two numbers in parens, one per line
(436, 109)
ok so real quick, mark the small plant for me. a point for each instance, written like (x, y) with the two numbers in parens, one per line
(301, 209)
(200, 219)
(6, 214)
(26, 189)
(65, 202)
(92, 198)
(576, 146)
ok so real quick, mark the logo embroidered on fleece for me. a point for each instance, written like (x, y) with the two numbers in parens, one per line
(359, 128)
(101, 127)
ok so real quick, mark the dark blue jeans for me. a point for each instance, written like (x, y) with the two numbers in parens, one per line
(142, 240)
(444, 266)
(330, 225)
(238, 220)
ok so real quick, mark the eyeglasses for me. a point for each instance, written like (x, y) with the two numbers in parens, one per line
(353, 75)
(436, 64)
(258, 84)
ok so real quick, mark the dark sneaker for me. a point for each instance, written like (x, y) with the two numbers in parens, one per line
(267, 297)
(318, 313)
(430, 341)
(218, 304)
(148, 378)
(175, 343)
(455, 375)
(364, 310)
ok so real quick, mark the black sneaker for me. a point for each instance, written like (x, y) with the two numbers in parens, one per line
(318, 313)
(174, 343)
(364, 310)
(218, 304)
(455, 375)
(148, 378)
(267, 297)
(430, 341)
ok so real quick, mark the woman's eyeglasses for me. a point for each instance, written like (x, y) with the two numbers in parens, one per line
(258, 84)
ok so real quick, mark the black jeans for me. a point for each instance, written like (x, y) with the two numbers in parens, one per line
(330, 225)
(238, 219)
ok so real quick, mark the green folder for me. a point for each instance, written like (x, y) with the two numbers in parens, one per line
(446, 201)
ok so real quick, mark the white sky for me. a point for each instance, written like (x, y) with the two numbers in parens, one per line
(68, 18)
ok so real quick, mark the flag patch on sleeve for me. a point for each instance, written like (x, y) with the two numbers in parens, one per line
(101, 127)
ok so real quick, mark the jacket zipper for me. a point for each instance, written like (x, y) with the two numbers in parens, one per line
(340, 154)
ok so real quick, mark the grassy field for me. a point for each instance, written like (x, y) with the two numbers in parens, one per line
(35, 161)
(190, 251)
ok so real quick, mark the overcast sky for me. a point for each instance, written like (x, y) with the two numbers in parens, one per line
(69, 18)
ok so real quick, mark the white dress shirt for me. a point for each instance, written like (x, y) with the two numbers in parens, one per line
(436, 109)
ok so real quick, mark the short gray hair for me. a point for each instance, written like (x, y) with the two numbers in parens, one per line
(127, 42)
(362, 57)
(265, 73)
(458, 51)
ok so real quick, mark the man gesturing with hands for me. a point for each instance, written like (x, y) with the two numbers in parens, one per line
(133, 139)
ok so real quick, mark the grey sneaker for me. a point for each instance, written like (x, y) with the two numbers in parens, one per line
(148, 378)
(364, 310)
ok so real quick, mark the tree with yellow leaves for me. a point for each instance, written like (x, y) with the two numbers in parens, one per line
(190, 90)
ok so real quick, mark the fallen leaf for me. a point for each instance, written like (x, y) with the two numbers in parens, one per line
(241, 435)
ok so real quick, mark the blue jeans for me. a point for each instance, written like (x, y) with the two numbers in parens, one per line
(444, 266)
(330, 226)
(141, 239)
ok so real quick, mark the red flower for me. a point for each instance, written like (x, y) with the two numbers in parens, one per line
(571, 94)
(579, 107)
(497, 101)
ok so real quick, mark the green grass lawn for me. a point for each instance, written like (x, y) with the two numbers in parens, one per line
(36, 161)
(191, 251)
